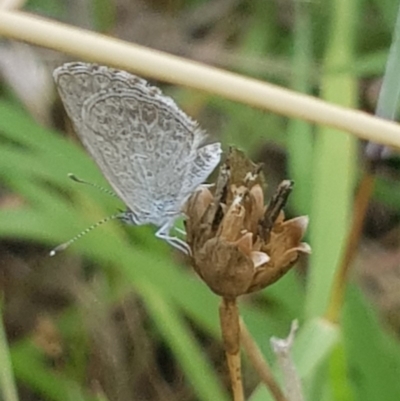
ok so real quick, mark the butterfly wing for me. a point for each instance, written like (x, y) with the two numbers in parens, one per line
(148, 149)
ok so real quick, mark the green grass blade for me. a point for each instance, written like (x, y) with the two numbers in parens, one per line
(177, 335)
(8, 388)
(334, 164)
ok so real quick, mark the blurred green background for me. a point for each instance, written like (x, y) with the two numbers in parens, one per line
(122, 316)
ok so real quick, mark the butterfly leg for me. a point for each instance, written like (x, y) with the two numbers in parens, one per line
(180, 231)
(177, 243)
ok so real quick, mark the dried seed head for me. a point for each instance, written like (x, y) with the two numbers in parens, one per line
(238, 244)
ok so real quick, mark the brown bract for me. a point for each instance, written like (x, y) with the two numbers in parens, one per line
(239, 245)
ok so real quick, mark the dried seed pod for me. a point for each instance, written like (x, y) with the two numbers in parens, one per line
(239, 245)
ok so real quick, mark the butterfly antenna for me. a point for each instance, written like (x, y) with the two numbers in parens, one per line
(65, 245)
(73, 177)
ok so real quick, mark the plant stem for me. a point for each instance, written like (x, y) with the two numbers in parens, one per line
(229, 317)
(361, 203)
(100, 48)
(259, 363)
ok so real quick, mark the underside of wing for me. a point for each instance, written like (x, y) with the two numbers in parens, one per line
(146, 147)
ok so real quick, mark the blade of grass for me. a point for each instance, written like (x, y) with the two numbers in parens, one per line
(389, 94)
(334, 164)
(373, 354)
(387, 106)
(8, 388)
(180, 340)
(299, 133)
(30, 368)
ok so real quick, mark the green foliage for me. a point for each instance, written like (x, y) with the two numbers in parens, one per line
(373, 355)
(353, 360)
(35, 163)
